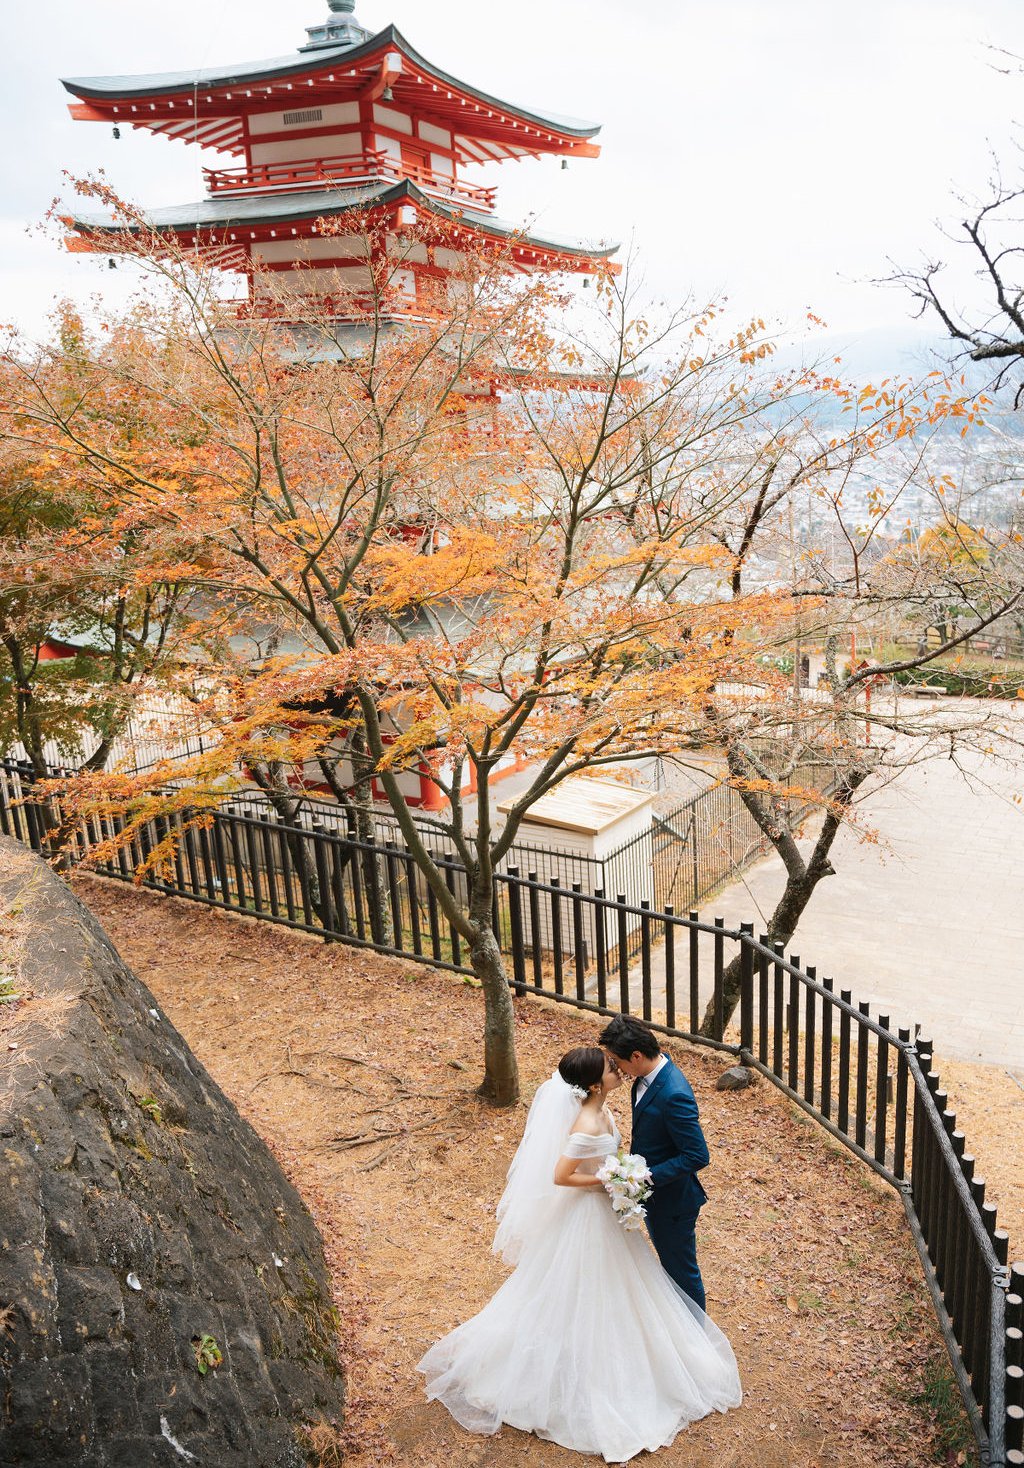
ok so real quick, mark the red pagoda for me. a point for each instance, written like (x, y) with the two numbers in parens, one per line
(351, 124)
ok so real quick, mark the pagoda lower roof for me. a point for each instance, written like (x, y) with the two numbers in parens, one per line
(204, 105)
(263, 210)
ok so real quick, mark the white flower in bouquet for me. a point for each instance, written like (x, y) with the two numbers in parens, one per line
(627, 1181)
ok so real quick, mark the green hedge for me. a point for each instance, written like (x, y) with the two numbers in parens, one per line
(974, 682)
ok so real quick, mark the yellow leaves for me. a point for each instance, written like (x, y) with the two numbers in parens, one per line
(877, 501)
(954, 543)
(662, 556)
(422, 735)
(403, 575)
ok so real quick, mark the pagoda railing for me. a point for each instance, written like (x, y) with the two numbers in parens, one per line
(351, 168)
(351, 309)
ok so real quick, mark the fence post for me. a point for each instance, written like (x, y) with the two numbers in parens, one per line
(862, 1077)
(645, 959)
(933, 1152)
(394, 897)
(881, 1092)
(762, 1002)
(810, 1015)
(556, 934)
(825, 1098)
(601, 942)
(719, 978)
(432, 915)
(670, 966)
(413, 877)
(454, 937)
(746, 988)
(694, 973)
(323, 882)
(843, 1106)
(1014, 1347)
(5, 812)
(946, 1219)
(793, 1028)
(515, 915)
(535, 932)
(899, 1134)
(623, 936)
(579, 941)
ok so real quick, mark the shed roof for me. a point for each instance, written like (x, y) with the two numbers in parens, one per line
(583, 804)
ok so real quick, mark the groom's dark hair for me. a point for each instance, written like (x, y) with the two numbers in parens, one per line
(624, 1034)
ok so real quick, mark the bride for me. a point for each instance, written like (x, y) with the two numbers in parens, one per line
(588, 1343)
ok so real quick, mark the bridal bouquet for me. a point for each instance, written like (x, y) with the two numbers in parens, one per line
(627, 1181)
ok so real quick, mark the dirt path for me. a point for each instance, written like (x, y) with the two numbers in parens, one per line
(360, 1071)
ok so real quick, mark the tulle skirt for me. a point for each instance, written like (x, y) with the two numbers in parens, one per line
(588, 1343)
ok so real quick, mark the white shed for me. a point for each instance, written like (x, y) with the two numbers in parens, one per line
(591, 817)
(595, 832)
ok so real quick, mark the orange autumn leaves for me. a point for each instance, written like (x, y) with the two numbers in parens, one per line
(485, 535)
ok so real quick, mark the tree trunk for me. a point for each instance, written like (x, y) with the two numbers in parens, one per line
(286, 807)
(357, 804)
(500, 1085)
(30, 731)
(801, 880)
(375, 882)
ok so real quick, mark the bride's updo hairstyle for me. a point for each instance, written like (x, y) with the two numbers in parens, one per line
(583, 1067)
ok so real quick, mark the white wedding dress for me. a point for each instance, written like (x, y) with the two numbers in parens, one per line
(589, 1343)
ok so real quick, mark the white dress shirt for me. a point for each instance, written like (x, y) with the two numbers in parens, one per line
(645, 1081)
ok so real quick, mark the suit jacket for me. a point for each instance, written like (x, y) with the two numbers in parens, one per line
(666, 1131)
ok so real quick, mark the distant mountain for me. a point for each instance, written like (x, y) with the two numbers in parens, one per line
(871, 356)
(868, 356)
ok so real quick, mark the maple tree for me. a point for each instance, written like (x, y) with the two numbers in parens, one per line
(466, 539)
(870, 576)
(485, 527)
(123, 623)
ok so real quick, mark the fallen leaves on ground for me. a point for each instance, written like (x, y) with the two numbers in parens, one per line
(360, 1071)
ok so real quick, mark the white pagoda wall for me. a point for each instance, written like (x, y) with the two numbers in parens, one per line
(342, 136)
(301, 150)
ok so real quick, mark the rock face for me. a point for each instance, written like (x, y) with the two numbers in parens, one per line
(736, 1078)
(139, 1214)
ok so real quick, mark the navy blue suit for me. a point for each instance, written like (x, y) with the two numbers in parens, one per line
(666, 1131)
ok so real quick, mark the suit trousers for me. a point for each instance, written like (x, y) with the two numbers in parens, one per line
(675, 1240)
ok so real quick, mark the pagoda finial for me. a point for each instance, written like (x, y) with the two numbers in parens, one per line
(339, 29)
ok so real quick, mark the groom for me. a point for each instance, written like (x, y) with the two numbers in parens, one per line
(667, 1133)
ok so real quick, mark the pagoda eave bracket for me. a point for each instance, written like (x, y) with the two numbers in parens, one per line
(85, 112)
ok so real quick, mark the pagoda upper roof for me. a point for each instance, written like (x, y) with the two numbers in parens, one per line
(209, 105)
(261, 211)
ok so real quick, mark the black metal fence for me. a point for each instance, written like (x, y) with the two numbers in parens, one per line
(709, 839)
(690, 850)
(869, 1086)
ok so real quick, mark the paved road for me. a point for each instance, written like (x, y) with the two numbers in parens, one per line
(927, 923)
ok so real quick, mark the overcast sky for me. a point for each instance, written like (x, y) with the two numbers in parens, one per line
(777, 150)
